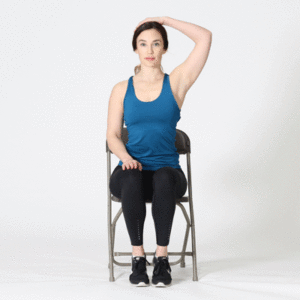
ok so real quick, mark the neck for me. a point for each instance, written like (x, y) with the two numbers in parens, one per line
(150, 74)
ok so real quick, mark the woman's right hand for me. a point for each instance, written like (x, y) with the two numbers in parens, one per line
(131, 163)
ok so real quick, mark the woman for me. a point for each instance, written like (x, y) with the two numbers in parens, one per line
(149, 168)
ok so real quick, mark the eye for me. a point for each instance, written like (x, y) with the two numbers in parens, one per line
(145, 44)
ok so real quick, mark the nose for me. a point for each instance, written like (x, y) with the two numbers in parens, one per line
(150, 50)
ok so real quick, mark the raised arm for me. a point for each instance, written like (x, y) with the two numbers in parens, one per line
(187, 72)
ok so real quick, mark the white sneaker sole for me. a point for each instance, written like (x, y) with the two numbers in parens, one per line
(161, 284)
(141, 284)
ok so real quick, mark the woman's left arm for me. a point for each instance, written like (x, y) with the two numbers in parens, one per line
(190, 69)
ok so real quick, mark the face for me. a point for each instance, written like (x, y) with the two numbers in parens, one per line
(150, 44)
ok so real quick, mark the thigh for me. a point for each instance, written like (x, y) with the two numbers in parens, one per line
(147, 184)
(176, 175)
(117, 178)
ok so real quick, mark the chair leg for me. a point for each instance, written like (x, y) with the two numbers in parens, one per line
(109, 206)
(195, 275)
(112, 240)
(114, 225)
(186, 236)
(113, 237)
(182, 264)
(110, 251)
(113, 231)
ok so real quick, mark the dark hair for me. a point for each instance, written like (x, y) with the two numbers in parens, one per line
(145, 26)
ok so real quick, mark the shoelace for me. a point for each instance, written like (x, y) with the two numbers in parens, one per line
(140, 263)
(161, 266)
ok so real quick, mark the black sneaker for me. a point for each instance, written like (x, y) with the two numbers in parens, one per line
(162, 271)
(139, 275)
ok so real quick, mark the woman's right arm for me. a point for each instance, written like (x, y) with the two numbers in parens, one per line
(117, 147)
(115, 125)
(114, 121)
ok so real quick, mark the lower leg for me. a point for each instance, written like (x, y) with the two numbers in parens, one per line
(163, 208)
(163, 218)
(134, 209)
(138, 250)
(161, 251)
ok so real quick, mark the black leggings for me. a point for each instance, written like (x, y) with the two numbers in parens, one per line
(162, 187)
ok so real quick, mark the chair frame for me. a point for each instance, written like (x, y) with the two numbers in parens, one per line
(182, 144)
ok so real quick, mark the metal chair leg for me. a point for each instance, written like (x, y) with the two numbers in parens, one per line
(195, 275)
(110, 251)
(186, 236)
(109, 205)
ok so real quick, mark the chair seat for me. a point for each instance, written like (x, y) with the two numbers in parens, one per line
(182, 199)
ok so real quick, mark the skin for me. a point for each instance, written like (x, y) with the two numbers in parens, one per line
(150, 70)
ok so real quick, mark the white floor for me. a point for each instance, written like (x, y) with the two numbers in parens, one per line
(29, 270)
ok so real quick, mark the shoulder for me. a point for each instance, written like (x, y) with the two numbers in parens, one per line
(120, 89)
(121, 86)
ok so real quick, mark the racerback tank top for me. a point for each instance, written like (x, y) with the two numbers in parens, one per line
(151, 128)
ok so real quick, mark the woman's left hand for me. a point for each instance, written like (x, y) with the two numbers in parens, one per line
(160, 20)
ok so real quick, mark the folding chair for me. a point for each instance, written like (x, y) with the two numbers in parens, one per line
(182, 144)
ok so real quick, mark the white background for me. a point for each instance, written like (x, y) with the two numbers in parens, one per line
(59, 61)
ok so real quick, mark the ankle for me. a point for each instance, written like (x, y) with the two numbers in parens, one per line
(138, 250)
(161, 251)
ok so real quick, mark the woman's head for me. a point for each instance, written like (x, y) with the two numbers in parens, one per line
(150, 40)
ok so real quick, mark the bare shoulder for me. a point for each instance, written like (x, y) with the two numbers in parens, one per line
(120, 89)
(116, 109)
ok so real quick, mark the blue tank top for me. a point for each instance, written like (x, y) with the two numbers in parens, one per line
(151, 128)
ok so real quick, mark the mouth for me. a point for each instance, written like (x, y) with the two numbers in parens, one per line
(150, 58)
